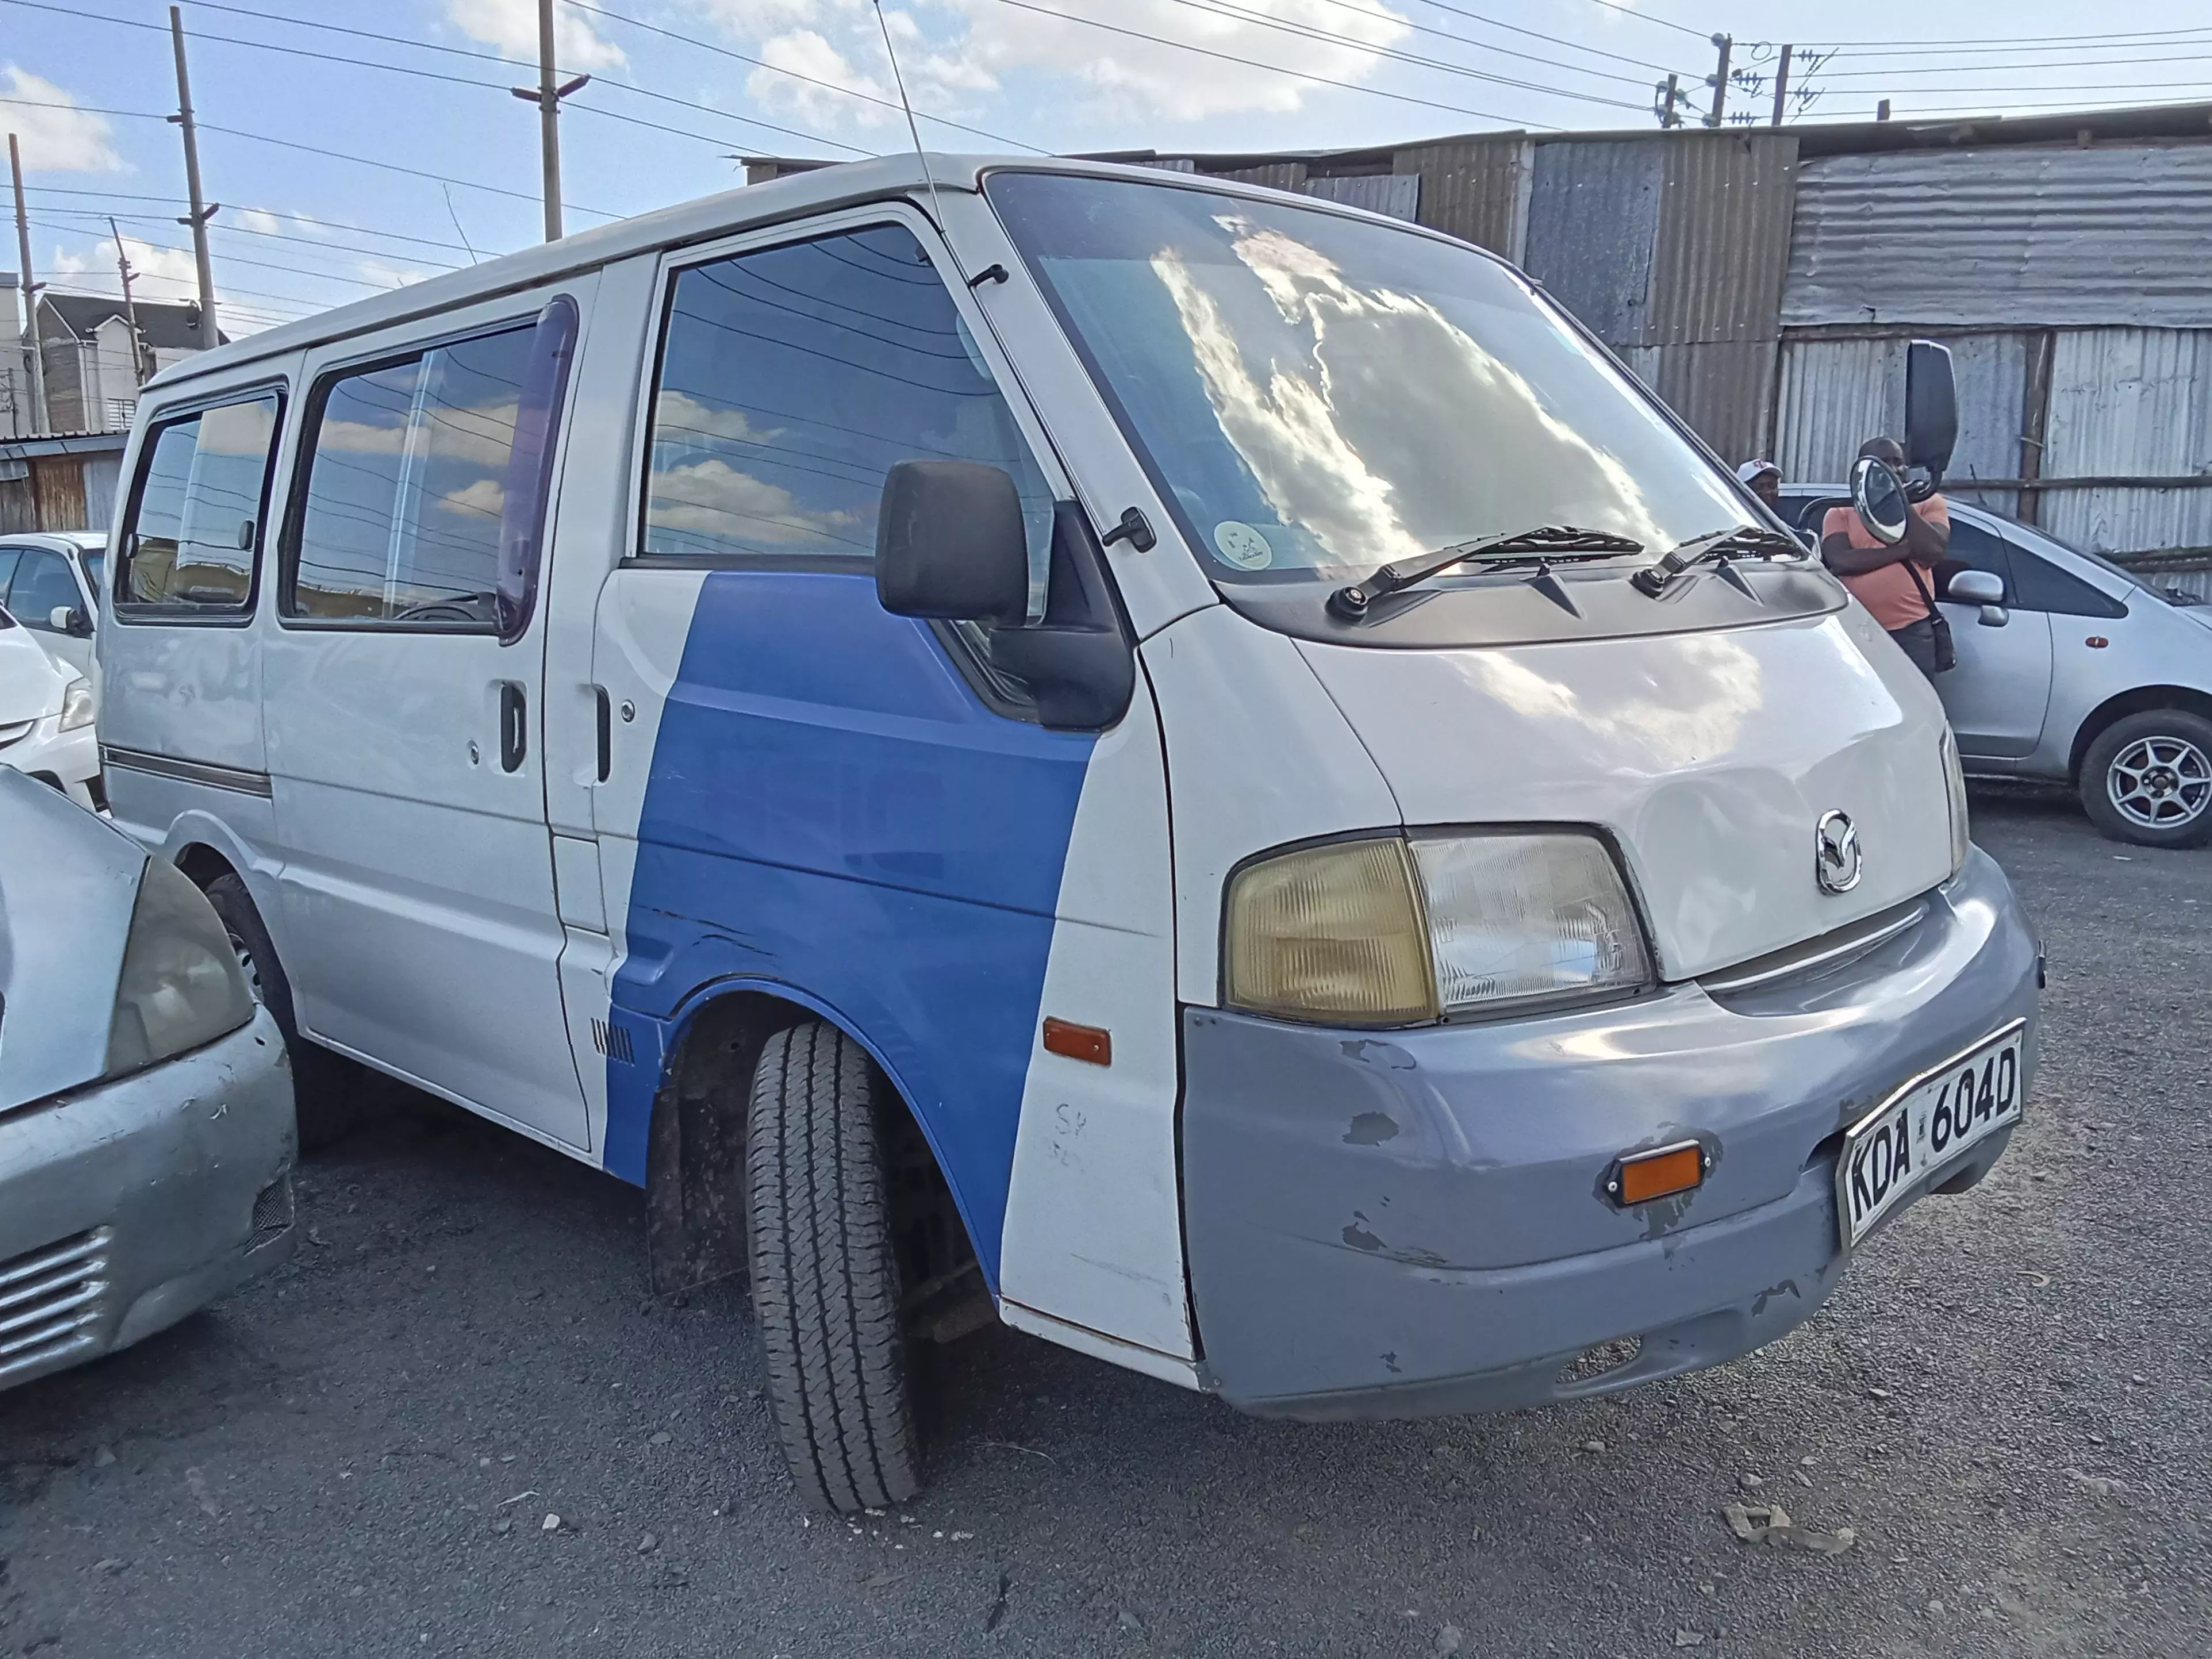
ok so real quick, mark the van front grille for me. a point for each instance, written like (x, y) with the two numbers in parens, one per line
(51, 1301)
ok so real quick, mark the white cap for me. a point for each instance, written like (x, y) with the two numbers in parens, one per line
(1751, 469)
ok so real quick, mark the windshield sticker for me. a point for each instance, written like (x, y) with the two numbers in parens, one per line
(1243, 546)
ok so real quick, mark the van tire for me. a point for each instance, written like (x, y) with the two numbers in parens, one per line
(326, 1091)
(2156, 737)
(825, 1277)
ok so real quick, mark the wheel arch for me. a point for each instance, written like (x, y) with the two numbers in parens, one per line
(2139, 700)
(695, 1140)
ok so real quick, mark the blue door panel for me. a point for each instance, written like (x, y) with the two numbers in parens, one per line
(830, 809)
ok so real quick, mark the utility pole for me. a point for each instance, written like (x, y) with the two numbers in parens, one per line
(547, 96)
(1781, 84)
(138, 364)
(1670, 114)
(210, 336)
(1724, 44)
(30, 293)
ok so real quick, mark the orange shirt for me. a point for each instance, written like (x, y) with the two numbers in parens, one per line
(1887, 593)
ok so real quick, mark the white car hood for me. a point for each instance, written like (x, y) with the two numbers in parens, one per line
(1709, 758)
(31, 682)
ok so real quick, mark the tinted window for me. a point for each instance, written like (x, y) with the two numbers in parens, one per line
(7, 557)
(790, 381)
(194, 521)
(399, 517)
(2045, 587)
(1973, 548)
(42, 581)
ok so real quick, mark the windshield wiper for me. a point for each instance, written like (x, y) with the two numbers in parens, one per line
(1551, 541)
(1719, 543)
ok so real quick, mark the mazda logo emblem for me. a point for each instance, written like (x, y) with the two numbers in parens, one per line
(1836, 861)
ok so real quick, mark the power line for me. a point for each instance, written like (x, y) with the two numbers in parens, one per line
(1308, 32)
(235, 258)
(1251, 63)
(1555, 39)
(1504, 52)
(248, 230)
(777, 69)
(274, 213)
(310, 149)
(2007, 69)
(1642, 16)
(2016, 43)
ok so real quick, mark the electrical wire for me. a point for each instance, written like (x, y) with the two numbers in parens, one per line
(1308, 32)
(1642, 16)
(248, 230)
(233, 259)
(777, 69)
(274, 213)
(1253, 63)
(1492, 47)
(1555, 39)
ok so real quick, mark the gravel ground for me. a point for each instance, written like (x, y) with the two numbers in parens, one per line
(2007, 1402)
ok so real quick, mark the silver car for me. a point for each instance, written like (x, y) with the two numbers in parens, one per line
(146, 1127)
(2071, 669)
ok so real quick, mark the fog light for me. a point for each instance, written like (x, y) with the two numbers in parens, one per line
(1658, 1174)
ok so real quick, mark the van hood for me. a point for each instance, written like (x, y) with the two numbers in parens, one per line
(1708, 759)
(31, 684)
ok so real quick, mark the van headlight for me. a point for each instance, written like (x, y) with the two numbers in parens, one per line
(1955, 800)
(1395, 930)
(181, 987)
(76, 704)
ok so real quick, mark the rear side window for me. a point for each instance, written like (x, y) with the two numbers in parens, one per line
(790, 381)
(1972, 548)
(193, 537)
(2044, 586)
(423, 502)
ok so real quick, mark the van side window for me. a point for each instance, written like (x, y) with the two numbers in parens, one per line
(193, 531)
(789, 382)
(398, 518)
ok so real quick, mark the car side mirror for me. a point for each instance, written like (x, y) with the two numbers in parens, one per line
(1931, 407)
(68, 619)
(1879, 494)
(1975, 587)
(951, 544)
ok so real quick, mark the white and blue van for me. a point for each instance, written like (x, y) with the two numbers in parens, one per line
(1198, 772)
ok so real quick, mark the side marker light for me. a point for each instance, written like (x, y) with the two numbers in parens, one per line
(1661, 1173)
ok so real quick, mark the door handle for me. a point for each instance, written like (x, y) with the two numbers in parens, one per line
(514, 725)
(606, 718)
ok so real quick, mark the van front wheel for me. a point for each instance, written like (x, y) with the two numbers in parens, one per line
(2147, 779)
(325, 1085)
(825, 1278)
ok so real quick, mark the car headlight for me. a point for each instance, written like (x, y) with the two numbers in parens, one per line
(1395, 930)
(76, 704)
(1955, 794)
(180, 986)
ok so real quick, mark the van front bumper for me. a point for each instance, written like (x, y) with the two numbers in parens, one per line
(126, 1206)
(1400, 1223)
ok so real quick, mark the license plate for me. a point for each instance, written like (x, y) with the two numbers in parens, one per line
(1924, 1128)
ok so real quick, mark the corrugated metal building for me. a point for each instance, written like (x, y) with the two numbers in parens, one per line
(65, 482)
(1764, 281)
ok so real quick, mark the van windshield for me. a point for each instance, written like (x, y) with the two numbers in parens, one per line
(1319, 395)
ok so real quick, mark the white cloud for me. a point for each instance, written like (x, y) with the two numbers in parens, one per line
(952, 51)
(157, 273)
(261, 220)
(65, 139)
(512, 26)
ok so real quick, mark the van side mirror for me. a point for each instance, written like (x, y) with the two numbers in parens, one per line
(1931, 407)
(1879, 494)
(951, 544)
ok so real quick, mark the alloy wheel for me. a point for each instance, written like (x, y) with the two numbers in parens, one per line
(2161, 782)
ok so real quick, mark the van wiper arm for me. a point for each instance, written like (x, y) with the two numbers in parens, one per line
(1737, 539)
(1550, 541)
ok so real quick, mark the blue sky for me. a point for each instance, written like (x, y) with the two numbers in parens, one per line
(300, 230)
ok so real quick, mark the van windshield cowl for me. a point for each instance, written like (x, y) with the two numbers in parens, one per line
(1318, 396)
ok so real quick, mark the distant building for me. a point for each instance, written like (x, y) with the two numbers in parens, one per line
(94, 368)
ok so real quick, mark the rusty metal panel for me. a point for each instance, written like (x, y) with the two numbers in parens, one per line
(1833, 395)
(1723, 238)
(2130, 402)
(1475, 189)
(1593, 226)
(1991, 370)
(19, 507)
(1722, 389)
(2004, 237)
(103, 475)
(1397, 194)
(58, 483)
(1275, 175)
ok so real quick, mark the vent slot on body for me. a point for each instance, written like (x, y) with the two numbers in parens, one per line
(51, 1302)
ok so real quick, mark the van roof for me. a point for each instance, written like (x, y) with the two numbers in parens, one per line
(790, 196)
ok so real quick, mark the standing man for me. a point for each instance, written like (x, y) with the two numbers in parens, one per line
(1764, 479)
(1895, 581)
